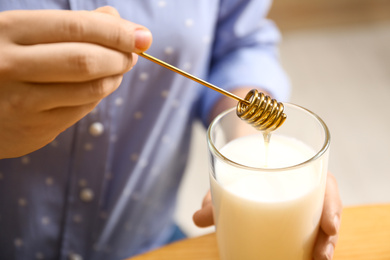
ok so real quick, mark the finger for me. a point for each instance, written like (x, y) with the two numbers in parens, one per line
(59, 119)
(331, 216)
(40, 128)
(324, 247)
(49, 96)
(108, 10)
(204, 216)
(50, 26)
(66, 62)
(207, 199)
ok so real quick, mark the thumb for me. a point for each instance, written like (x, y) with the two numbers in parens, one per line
(204, 216)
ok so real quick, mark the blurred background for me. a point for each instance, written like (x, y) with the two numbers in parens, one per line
(337, 55)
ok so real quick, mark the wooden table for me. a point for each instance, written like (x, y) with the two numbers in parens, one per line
(364, 235)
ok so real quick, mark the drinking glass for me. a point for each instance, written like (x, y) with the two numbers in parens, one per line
(268, 195)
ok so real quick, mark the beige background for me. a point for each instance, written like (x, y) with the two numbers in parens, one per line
(337, 54)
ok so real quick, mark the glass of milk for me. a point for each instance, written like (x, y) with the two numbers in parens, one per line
(268, 197)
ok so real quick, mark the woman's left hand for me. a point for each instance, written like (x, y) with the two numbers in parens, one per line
(330, 220)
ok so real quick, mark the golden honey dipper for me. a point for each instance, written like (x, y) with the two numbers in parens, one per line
(257, 109)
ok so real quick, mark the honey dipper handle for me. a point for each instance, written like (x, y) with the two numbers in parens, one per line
(187, 75)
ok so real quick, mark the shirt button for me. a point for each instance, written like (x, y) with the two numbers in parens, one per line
(86, 195)
(75, 257)
(96, 129)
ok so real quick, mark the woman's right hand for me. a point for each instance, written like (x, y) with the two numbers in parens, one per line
(55, 67)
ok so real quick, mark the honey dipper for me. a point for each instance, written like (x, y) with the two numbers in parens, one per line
(257, 109)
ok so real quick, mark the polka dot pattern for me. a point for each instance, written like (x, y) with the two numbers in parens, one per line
(77, 218)
(25, 160)
(189, 22)
(164, 93)
(18, 242)
(123, 152)
(138, 115)
(45, 221)
(88, 147)
(119, 101)
(168, 50)
(144, 76)
(49, 181)
(162, 3)
(22, 202)
(39, 256)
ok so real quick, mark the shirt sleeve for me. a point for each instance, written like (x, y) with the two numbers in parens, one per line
(245, 53)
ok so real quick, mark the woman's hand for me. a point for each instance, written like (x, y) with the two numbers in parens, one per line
(55, 67)
(330, 220)
(204, 216)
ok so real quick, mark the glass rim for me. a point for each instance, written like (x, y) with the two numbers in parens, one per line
(316, 156)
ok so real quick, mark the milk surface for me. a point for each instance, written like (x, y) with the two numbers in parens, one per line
(267, 215)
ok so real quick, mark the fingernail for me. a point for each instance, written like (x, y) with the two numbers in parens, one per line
(143, 39)
(336, 223)
(329, 251)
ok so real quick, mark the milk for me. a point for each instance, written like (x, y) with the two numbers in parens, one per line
(267, 215)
